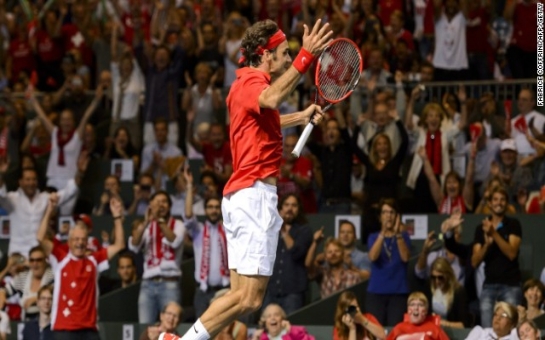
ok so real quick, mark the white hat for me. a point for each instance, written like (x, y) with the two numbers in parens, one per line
(508, 144)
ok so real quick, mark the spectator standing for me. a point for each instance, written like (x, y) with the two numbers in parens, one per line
(527, 117)
(161, 236)
(229, 45)
(335, 156)
(450, 56)
(389, 253)
(128, 87)
(382, 167)
(75, 313)
(497, 243)
(27, 205)
(163, 76)
(296, 176)
(209, 246)
(522, 51)
(40, 328)
(289, 281)
(66, 145)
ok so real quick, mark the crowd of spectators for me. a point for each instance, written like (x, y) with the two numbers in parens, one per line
(91, 82)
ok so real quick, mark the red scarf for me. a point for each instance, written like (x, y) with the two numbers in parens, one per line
(448, 205)
(158, 249)
(61, 142)
(433, 150)
(205, 256)
(4, 142)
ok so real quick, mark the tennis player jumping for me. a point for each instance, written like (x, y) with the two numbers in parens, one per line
(249, 205)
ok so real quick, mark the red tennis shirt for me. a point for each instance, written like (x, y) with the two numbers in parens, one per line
(255, 135)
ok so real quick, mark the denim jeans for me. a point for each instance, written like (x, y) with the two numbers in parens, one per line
(289, 303)
(154, 296)
(493, 293)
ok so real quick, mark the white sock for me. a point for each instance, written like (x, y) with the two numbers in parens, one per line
(196, 332)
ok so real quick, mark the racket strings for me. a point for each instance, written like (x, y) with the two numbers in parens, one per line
(339, 72)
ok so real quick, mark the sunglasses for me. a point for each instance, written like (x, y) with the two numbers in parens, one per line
(438, 277)
(39, 259)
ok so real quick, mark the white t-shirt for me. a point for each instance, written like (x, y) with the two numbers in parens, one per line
(450, 43)
(132, 95)
(230, 67)
(523, 146)
(59, 174)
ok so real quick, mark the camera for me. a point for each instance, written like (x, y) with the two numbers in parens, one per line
(352, 310)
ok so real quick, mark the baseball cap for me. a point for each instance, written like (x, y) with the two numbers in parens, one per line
(508, 144)
(85, 219)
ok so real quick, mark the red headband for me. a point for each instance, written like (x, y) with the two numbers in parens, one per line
(275, 40)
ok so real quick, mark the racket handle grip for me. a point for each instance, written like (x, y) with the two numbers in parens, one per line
(302, 140)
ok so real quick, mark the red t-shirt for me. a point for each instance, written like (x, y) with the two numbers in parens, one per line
(477, 36)
(74, 39)
(128, 25)
(22, 58)
(255, 135)
(524, 27)
(75, 296)
(217, 158)
(369, 317)
(302, 167)
(49, 49)
(429, 22)
(427, 330)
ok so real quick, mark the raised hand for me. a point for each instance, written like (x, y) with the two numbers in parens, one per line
(318, 38)
(318, 235)
(415, 93)
(188, 176)
(462, 95)
(53, 201)
(116, 207)
(429, 242)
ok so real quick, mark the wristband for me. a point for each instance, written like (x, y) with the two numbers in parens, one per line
(303, 61)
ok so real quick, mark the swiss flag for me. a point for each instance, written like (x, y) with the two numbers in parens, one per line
(520, 124)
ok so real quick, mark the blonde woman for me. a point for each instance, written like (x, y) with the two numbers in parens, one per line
(435, 136)
(504, 324)
(275, 326)
(448, 297)
(352, 324)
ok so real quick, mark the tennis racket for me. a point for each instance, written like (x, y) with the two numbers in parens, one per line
(337, 74)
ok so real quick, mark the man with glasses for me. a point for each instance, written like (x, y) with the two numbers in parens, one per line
(210, 248)
(22, 284)
(40, 327)
(169, 319)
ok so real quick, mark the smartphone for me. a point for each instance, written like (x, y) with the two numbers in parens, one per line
(352, 310)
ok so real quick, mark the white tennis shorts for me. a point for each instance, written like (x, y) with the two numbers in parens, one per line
(252, 225)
